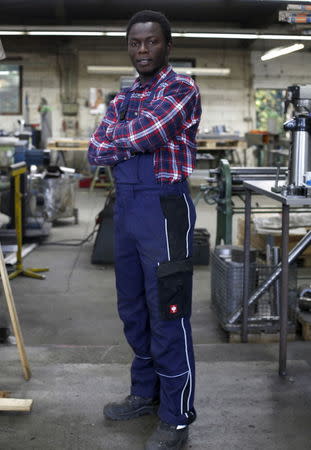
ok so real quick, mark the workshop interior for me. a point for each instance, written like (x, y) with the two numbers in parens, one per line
(61, 63)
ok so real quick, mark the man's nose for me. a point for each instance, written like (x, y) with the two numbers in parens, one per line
(142, 48)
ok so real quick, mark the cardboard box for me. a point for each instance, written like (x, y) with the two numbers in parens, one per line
(259, 241)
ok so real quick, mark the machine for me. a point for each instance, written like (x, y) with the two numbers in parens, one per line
(225, 182)
(299, 169)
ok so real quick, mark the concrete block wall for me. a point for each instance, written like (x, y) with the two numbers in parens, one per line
(278, 73)
(40, 79)
(108, 83)
(225, 100)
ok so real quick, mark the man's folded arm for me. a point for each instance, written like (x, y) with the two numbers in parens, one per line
(101, 151)
(159, 121)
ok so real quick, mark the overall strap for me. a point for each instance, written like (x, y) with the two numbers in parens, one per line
(125, 105)
(126, 101)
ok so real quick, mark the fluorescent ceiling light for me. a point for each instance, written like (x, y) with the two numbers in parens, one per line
(115, 33)
(204, 71)
(48, 31)
(128, 70)
(65, 33)
(4, 72)
(111, 70)
(219, 35)
(11, 33)
(281, 37)
(284, 37)
(279, 51)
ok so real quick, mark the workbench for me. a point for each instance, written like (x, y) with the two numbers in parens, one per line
(63, 145)
(264, 188)
(222, 146)
(218, 145)
(68, 144)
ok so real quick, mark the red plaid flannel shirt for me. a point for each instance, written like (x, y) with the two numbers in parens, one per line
(162, 117)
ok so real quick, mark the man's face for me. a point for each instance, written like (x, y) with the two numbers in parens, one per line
(148, 49)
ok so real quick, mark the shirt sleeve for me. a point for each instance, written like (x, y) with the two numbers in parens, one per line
(159, 121)
(101, 151)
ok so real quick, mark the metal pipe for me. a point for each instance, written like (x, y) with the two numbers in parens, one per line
(284, 292)
(276, 303)
(247, 245)
(251, 170)
(293, 254)
(275, 209)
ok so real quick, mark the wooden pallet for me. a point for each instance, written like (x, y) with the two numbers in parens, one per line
(304, 318)
(259, 338)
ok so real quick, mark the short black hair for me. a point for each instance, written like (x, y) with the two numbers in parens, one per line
(151, 16)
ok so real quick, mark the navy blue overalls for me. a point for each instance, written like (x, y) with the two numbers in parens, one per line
(153, 246)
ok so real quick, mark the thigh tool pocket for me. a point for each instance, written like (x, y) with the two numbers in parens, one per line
(175, 288)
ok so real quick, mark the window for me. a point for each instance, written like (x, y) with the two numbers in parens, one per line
(10, 89)
(269, 109)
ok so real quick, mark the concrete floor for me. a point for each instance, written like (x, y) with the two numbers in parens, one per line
(80, 361)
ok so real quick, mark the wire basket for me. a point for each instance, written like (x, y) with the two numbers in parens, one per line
(227, 282)
(268, 305)
(227, 278)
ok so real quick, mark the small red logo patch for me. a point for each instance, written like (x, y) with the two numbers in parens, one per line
(173, 309)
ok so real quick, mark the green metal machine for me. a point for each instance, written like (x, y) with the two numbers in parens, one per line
(225, 182)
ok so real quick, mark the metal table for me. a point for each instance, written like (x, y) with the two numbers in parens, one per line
(264, 188)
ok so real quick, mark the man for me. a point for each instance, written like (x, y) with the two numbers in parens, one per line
(46, 122)
(148, 136)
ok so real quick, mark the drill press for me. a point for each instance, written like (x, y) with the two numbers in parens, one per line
(299, 168)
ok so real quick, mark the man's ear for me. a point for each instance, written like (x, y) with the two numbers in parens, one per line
(169, 47)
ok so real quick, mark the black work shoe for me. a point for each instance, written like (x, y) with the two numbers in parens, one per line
(131, 407)
(167, 437)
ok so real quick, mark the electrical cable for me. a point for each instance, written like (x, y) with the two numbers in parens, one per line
(67, 243)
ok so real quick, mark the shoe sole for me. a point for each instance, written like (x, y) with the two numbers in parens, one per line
(143, 411)
(183, 443)
(180, 444)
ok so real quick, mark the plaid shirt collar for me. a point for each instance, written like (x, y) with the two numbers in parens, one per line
(151, 84)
